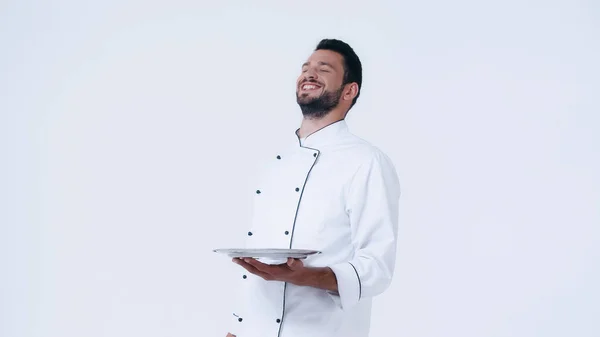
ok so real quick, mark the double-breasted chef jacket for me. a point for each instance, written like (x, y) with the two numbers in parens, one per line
(335, 193)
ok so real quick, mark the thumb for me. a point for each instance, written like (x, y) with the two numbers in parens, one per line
(295, 264)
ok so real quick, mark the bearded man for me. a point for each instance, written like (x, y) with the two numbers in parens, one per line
(330, 191)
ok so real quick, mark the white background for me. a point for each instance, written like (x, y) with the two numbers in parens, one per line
(127, 129)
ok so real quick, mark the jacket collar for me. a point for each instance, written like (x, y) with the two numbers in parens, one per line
(324, 135)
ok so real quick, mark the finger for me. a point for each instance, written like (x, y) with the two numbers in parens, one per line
(265, 268)
(255, 271)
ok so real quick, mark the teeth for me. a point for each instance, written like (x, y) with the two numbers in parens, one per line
(309, 87)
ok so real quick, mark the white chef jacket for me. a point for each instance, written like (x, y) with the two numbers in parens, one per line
(335, 193)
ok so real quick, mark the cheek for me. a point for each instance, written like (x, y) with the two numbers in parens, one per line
(331, 81)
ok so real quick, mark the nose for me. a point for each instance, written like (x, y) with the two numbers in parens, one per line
(310, 74)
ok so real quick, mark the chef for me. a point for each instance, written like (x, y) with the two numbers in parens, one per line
(327, 190)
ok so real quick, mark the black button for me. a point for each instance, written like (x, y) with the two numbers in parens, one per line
(278, 157)
(244, 277)
(240, 319)
(249, 233)
(314, 154)
(287, 233)
(278, 320)
(257, 191)
(297, 189)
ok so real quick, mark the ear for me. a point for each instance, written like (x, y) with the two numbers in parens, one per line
(351, 91)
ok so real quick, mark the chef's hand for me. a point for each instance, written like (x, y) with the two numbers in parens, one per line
(293, 272)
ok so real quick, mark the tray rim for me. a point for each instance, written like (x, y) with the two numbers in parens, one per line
(261, 251)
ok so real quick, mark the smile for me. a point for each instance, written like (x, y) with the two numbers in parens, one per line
(310, 86)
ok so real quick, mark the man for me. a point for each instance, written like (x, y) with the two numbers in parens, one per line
(329, 191)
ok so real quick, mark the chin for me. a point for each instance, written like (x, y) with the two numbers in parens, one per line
(305, 100)
(304, 97)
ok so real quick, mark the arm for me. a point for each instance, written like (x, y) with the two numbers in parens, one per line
(322, 278)
(372, 205)
(293, 272)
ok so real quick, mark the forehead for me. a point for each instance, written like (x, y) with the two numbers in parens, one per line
(326, 56)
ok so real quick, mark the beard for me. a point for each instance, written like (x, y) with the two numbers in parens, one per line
(318, 107)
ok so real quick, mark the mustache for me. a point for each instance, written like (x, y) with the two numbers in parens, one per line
(311, 81)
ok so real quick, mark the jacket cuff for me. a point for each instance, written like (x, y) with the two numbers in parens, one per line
(349, 286)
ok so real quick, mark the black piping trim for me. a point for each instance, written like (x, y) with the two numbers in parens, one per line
(296, 216)
(298, 208)
(294, 228)
(283, 311)
(302, 193)
(315, 132)
(359, 283)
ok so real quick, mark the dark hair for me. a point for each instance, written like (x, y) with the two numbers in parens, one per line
(352, 65)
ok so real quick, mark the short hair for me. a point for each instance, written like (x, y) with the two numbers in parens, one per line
(352, 65)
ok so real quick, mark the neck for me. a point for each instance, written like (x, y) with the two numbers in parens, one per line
(310, 125)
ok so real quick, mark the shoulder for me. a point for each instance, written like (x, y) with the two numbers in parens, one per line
(366, 153)
(371, 163)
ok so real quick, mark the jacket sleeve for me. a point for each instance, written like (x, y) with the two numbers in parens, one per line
(372, 205)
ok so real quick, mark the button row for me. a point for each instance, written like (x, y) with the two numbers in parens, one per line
(286, 233)
(297, 189)
(277, 320)
(279, 157)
